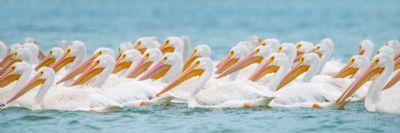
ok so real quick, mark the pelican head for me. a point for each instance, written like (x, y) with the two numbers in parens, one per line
(54, 53)
(149, 57)
(144, 43)
(78, 69)
(124, 47)
(126, 59)
(172, 44)
(395, 44)
(323, 48)
(378, 69)
(170, 62)
(254, 41)
(22, 54)
(97, 72)
(64, 44)
(3, 51)
(73, 54)
(202, 50)
(303, 46)
(308, 63)
(30, 40)
(15, 72)
(270, 65)
(37, 52)
(237, 52)
(201, 68)
(356, 64)
(289, 49)
(271, 42)
(256, 56)
(366, 48)
(44, 77)
(10, 54)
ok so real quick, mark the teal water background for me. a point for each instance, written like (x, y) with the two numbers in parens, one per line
(219, 24)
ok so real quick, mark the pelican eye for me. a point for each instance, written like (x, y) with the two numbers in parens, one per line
(41, 72)
(13, 68)
(166, 42)
(100, 52)
(139, 43)
(51, 52)
(124, 56)
(298, 45)
(376, 62)
(67, 51)
(352, 60)
(302, 59)
(147, 56)
(197, 63)
(232, 52)
(194, 51)
(271, 59)
(97, 62)
(280, 49)
(318, 47)
(264, 44)
(257, 50)
(164, 59)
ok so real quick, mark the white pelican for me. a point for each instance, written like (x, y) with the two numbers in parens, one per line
(253, 42)
(255, 57)
(223, 95)
(356, 65)
(289, 49)
(18, 73)
(39, 53)
(168, 68)
(327, 66)
(64, 44)
(395, 44)
(126, 60)
(236, 53)
(78, 69)
(3, 51)
(297, 94)
(303, 47)
(240, 45)
(11, 52)
(72, 56)
(124, 47)
(366, 48)
(376, 100)
(59, 98)
(22, 54)
(148, 59)
(53, 55)
(144, 43)
(175, 44)
(271, 42)
(276, 63)
(202, 50)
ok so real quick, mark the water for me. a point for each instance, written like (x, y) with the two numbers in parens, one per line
(217, 23)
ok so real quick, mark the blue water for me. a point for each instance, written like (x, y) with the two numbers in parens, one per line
(217, 23)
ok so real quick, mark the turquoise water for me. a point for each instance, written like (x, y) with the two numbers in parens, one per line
(217, 23)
